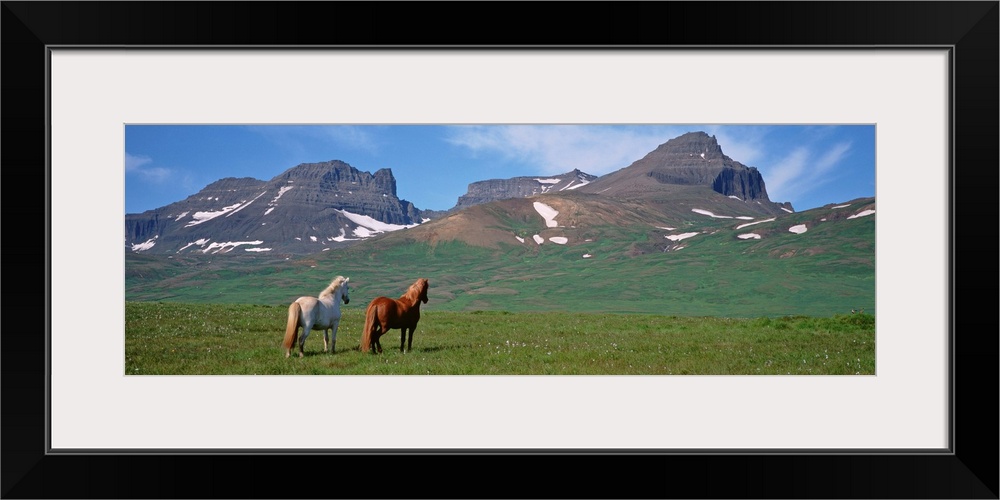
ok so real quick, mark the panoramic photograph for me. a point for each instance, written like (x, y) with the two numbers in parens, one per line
(535, 249)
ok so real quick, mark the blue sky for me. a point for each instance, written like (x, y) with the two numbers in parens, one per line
(809, 165)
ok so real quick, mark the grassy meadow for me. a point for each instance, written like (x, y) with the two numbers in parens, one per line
(172, 338)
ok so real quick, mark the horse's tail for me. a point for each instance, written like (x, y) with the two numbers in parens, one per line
(292, 330)
(366, 334)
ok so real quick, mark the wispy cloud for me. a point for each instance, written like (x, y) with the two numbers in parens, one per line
(802, 171)
(554, 149)
(136, 165)
(133, 162)
(157, 175)
(832, 157)
(786, 172)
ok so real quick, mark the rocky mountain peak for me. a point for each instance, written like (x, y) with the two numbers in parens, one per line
(693, 142)
(693, 146)
(306, 208)
(691, 160)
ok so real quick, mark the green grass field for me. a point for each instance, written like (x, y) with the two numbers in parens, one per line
(778, 306)
(240, 339)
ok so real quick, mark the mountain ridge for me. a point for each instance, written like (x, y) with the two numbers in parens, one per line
(313, 207)
(304, 209)
(521, 187)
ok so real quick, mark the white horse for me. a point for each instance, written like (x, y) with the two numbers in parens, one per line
(321, 313)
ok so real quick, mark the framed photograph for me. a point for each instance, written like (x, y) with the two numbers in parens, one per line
(80, 74)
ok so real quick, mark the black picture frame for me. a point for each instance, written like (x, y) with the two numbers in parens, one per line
(969, 28)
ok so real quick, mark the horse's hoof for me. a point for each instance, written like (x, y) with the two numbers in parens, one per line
(301, 355)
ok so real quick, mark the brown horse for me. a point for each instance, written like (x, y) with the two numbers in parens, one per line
(384, 314)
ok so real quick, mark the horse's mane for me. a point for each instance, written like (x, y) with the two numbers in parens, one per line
(413, 293)
(334, 285)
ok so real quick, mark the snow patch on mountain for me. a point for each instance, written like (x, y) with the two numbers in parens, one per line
(741, 226)
(710, 214)
(146, 245)
(573, 185)
(369, 226)
(342, 237)
(679, 237)
(548, 213)
(228, 246)
(202, 217)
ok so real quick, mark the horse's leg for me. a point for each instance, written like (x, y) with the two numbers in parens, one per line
(377, 347)
(409, 341)
(326, 340)
(333, 336)
(302, 342)
(402, 338)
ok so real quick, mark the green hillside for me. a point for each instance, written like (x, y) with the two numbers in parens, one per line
(631, 268)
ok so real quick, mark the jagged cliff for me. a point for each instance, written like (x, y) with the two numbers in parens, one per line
(337, 184)
(521, 187)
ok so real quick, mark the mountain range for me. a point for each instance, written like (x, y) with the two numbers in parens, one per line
(315, 207)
